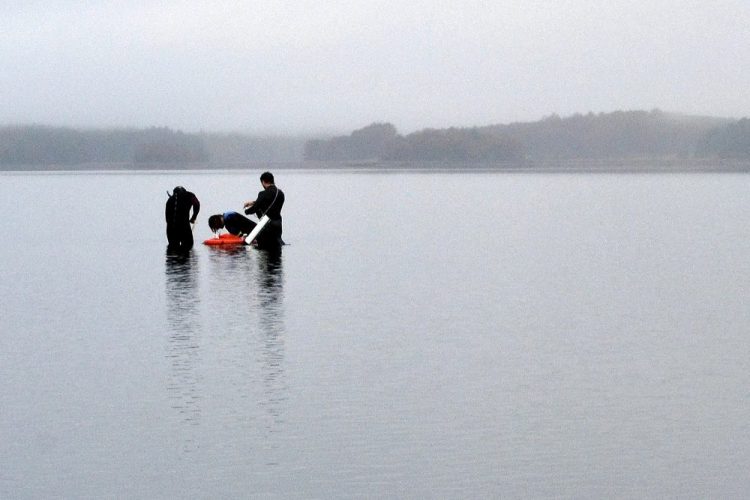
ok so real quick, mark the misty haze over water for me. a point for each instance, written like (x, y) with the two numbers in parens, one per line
(310, 69)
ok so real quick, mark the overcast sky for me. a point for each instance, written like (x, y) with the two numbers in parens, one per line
(302, 66)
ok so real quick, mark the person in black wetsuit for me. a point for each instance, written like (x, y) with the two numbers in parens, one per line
(233, 222)
(268, 202)
(177, 214)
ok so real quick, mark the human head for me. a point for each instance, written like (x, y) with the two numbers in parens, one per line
(266, 178)
(216, 222)
(178, 190)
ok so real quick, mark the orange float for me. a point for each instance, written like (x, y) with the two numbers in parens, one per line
(225, 239)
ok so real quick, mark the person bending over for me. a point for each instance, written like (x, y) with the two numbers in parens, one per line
(177, 214)
(234, 223)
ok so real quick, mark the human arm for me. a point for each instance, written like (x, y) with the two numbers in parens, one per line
(196, 207)
(249, 207)
(252, 207)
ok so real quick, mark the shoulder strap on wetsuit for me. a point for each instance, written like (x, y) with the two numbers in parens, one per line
(274, 201)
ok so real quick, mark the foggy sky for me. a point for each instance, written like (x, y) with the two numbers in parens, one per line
(303, 66)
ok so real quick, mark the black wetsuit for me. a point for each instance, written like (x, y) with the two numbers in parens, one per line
(237, 224)
(177, 214)
(269, 202)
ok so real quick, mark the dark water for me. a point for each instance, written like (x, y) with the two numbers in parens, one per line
(424, 335)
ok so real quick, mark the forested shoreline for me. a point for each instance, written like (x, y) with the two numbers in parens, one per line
(635, 135)
(37, 147)
(632, 136)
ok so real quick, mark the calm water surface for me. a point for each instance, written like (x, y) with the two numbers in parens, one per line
(424, 335)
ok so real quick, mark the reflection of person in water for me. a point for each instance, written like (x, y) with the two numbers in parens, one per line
(183, 325)
(271, 317)
(271, 278)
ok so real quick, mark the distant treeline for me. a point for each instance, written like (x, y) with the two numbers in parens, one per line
(618, 135)
(29, 146)
(604, 136)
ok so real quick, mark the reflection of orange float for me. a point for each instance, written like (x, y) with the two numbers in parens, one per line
(225, 239)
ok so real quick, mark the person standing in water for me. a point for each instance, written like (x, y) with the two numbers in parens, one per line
(177, 214)
(268, 202)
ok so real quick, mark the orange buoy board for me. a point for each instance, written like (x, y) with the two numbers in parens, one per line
(225, 239)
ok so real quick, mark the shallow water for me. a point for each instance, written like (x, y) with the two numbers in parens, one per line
(435, 334)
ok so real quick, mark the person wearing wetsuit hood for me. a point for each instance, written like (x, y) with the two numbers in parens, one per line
(177, 214)
(268, 202)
